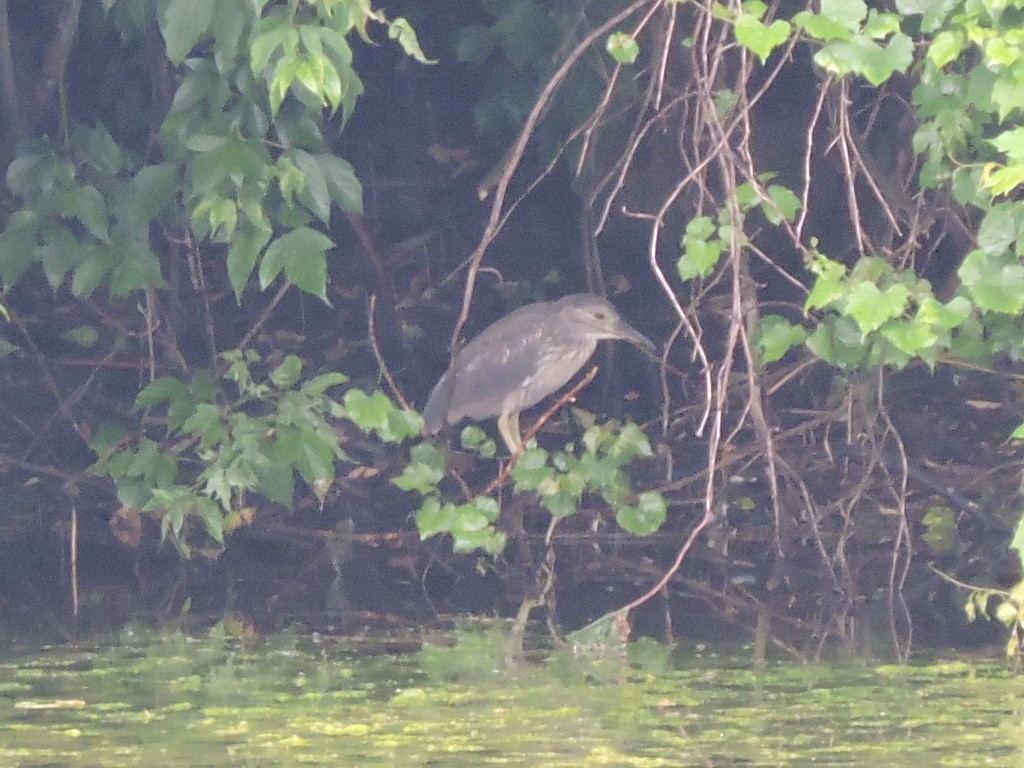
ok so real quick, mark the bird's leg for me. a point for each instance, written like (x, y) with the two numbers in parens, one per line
(508, 426)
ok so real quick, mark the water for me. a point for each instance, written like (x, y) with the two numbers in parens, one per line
(292, 699)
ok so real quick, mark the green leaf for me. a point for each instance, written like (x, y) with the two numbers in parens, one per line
(646, 517)
(622, 47)
(433, 518)
(531, 469)
(206, 424)
(428, 456)
(96, 263)
(945, 316)
(910, 337)
(701, 254)
(183, 24)
(17, 246)
(317, 462)
(946, 47)
(287, 373)
(400, 29)
(830, 286)
(342, 182)
(1011, 143)
(420, 477)
(1017, 543)
(821, 27)
(1002, 181)
(940, 531)
(995, 284)
(315, 193)
(785, 200)
(277, 482)
(150, 195)
(88, 206)
(271, 33)
(847, 13)
(377, 413)
(302, 254)
(136, 267)
(777, 337)
(318, 385)
(487, 539)
(475, 439)
(161, 390)
(862, 56)
(98, 148)
(245, 251)
(212, 518)
(761, 38)
(999, 228)
(871, 307)
(81, 335)
(1007, 95)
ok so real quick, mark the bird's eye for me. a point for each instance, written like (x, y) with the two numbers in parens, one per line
(600, 315)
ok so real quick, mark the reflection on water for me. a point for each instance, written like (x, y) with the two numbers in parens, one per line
(293, 699)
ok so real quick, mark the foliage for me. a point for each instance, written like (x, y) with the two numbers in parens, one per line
(968, 108)
(214, 455)
(1009, 611)
(515, 53)
(560, 479)
(241, 167)
(242, 159)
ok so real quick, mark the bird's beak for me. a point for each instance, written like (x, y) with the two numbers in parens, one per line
(627, 332)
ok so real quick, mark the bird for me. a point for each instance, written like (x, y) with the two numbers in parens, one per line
(522, 358)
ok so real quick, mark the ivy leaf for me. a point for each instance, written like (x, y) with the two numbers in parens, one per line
(700, 253)
(1011, 143)
(777, 336)
(786, 202)
(862, 56)
(622, 47)
(945, 47)
(829, 287)
(646, 517)
(999, 228)
(994, 284)
(910, 337)
(433, 518)
(871, 307)
(761, 38)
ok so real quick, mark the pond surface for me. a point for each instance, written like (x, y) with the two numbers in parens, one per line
(293, 699)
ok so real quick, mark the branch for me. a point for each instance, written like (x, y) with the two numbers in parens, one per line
(56, 61)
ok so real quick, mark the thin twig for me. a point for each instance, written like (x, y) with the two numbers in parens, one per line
(395, 391)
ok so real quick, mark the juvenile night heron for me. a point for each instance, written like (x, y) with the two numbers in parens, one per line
(521, 359)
